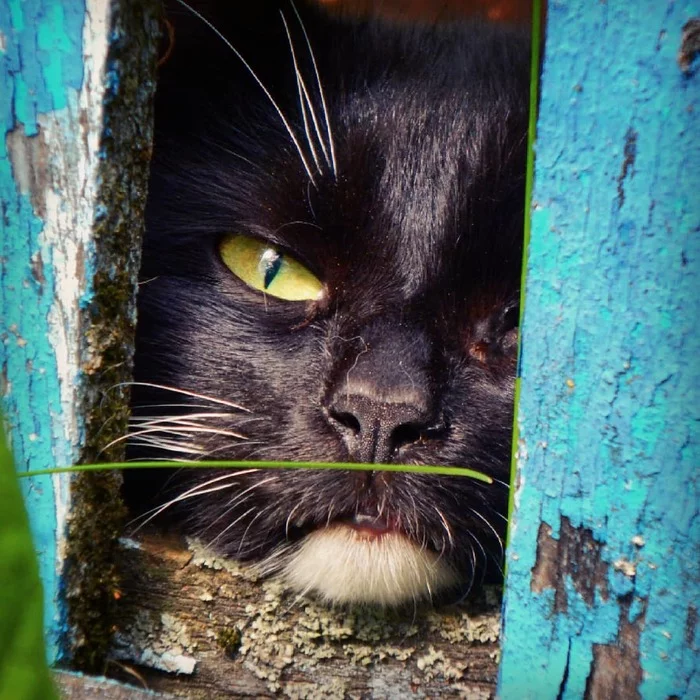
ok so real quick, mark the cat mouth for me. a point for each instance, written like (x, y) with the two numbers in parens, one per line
(361, 525)
(369, 526)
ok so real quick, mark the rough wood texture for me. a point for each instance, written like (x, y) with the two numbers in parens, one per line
(604, 560)
(78, 687)
(76, 80)
(220, 632)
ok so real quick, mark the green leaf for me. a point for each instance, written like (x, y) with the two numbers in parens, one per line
(24, 674)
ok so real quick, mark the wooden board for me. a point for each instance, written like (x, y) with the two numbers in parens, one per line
(604, 559)
(219, 631)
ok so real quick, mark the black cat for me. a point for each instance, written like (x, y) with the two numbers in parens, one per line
(331, 273)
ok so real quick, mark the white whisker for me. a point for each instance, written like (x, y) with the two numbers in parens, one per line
(491, 527)
(186, 392)
(250, 524)
(239, 498)
(229, 526)
(445, 526)
(258, 81)
(183, 419)
(303, 98)
(168, 446)
(320, 89)
(198, 490)
(289, 519)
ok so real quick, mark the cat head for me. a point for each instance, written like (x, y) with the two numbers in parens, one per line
(331, 273)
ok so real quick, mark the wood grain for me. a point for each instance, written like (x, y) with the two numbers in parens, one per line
(223, 632)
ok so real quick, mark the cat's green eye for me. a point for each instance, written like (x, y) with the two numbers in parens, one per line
(265, 268)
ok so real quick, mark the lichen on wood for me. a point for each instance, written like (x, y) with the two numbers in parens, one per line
(220, 630)
(106, 359)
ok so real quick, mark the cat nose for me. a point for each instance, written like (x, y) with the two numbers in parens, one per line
(384, 396)
(375, 430)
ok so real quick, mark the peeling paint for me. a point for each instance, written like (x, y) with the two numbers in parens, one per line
(51, 182)
(604, 549)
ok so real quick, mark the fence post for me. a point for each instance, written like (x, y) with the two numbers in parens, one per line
(604, 558)
(76, 79)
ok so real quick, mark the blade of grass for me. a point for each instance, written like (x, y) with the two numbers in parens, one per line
(23, 670)
(352, 466)
(529, 184)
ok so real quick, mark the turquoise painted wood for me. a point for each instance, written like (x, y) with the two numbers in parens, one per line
(604, 560)
(72, 190)
(41, 75)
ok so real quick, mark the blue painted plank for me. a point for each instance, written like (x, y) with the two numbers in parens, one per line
(41, 74)
(604, 557)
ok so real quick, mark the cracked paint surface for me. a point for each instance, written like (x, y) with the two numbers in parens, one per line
(604, 560)
(47, 59)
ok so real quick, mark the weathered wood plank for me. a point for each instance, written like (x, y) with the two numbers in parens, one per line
(79, 687)
(604, 562)
(72, 189)
(215, 630)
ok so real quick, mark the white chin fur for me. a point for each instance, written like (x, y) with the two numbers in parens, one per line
(343, 565)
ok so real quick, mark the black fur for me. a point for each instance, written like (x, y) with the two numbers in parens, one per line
(417, 241)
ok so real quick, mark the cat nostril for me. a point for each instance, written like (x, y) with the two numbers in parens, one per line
(347, 420)
(376, 431)
(405, 434)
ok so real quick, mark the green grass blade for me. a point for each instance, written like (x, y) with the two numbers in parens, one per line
(529, 185)
(24, 674)
(353, 466)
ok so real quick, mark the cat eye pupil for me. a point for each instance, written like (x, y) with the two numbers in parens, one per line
(270, 263)
(264, 268)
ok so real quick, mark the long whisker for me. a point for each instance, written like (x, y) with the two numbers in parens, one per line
(446, 527)
(229, 526)
(250, 524)
(239, 498)
(303, 97)
(186, 392)
(186, 419)
(289, 519)
(165, 445)
(491, 527)
(258, 81)
(320, 90)
(198, 490)
(185, 432)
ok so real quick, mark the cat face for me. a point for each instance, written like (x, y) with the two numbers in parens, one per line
(331, 273)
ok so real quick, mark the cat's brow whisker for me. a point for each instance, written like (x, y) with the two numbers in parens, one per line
(303, 98)
(254, 75)
(186, 392)
(321, 92)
